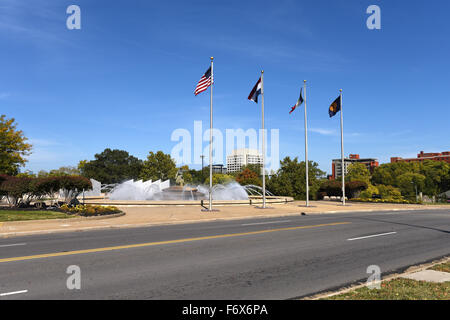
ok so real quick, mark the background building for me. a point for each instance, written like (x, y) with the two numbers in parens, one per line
(444, 156)
(219, 168)
(242, 157)
(336, 164)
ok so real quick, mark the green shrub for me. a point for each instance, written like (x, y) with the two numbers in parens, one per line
(331, 188)
(354, 188)
(389, 192)
(371, 190)
(334, 188)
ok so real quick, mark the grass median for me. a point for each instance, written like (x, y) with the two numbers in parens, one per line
(399, 289)
(443, 267)
(402, 289)
(23, 215)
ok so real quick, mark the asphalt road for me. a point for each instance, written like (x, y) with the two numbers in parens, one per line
(277, 258)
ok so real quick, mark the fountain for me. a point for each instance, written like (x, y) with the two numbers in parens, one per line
(148, 190)
(161, 193)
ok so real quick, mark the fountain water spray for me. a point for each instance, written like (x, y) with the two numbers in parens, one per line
(148, 190)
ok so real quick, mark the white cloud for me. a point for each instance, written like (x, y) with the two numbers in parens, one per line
(43, 142)
(325, 132)
(4, 95)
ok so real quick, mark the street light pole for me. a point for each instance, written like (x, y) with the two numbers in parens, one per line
(202, 156)
(415, 187)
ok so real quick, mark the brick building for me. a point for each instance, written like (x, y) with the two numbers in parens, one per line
(336, 165)
(443, 156)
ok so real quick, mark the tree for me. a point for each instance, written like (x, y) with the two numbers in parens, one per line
(220, 178)
(358, 172)
(158, 166)
(248, 176)
(27, 173)
(383, 175)
(62, 171)
(18, 190)
(13, 147)
(437, 177)
(289, 180)
(48, 186)
(187, 177)
(198, 176)
(72, 186)
(408, 182)
(436, 173)
(256, 168)
(112, 166)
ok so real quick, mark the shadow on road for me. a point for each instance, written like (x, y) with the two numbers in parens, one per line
(402, 224)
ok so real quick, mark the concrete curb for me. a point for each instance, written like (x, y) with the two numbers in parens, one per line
(395, 275)
(108, 216)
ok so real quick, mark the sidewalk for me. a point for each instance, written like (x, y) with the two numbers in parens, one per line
(146, 216)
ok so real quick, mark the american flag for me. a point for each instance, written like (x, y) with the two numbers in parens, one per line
(204, 83)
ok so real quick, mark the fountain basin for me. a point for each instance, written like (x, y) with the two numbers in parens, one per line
(252, 200)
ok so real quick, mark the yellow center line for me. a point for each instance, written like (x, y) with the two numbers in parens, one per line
(148, 244)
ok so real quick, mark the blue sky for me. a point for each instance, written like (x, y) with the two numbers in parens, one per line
(126, 79)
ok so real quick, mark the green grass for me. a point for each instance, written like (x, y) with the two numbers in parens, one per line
(22, 215)
(444, 267)
(399, 289)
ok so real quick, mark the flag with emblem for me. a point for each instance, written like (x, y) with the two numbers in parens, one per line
(335, 107)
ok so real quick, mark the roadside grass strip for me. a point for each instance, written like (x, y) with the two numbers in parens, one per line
(443, 267)
(399, 289)
(148, 244)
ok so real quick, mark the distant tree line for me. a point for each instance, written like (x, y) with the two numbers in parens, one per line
(393, 182)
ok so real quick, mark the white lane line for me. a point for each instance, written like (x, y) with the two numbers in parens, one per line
(12, 245)
(374, 235)
(11, 293)
(258, 223)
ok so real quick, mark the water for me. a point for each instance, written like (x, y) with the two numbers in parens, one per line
(138, 190)
(229, 191)
(148, 190)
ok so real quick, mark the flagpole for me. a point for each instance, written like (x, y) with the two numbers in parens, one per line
(306, 148)
(342, 151)
(263, 142)
(210, 136)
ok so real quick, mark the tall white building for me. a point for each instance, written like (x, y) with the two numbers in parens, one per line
(242, 157)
